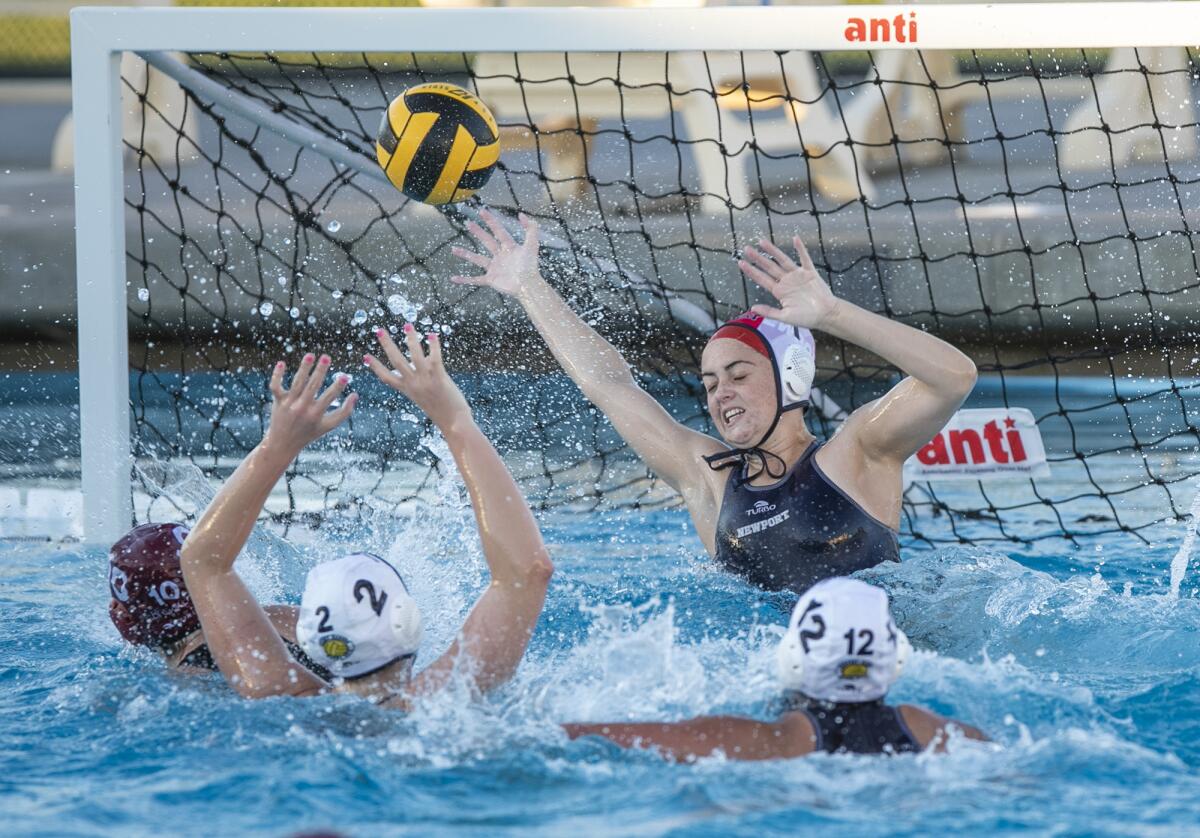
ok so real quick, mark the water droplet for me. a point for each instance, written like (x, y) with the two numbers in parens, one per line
(143, 294)
(312, 320)
(396, 304)
(336, 294)
(407, 417)
(333, 226)
(395, 278)
(359, 318)
(294, 312)
(282, 281)
(266, 308)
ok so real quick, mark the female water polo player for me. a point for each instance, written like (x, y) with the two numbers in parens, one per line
(774, 505)
(150, 604)
(841, 654)
(356, 617)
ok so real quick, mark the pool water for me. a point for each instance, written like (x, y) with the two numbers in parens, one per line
(1080, 664)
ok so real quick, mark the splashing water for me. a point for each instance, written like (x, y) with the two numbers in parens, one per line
(1100, 728)
(1179, 564)
(401, 306)
(1085, 674)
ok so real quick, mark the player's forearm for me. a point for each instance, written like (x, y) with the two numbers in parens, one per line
(736, 737)
(590, 360)
(667, 739)
(214, 543)
(512, 543)
(926, 358)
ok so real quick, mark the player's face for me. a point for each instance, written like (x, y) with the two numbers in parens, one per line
(741, 391)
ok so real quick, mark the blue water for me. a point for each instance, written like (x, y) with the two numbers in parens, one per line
(1076, 659)
(1077, 663)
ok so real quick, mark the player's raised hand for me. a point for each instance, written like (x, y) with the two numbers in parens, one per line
(300, 413)
(804, 298)
(423, 379)
(507, 264)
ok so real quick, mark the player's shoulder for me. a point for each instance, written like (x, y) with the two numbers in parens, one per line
(798, 731)
(930, 728)
(925, 725)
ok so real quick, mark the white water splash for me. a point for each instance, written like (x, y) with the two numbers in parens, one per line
(436, 549)
(1179, 564)
(267, 563)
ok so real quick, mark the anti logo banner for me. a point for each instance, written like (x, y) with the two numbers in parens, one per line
(982, 444)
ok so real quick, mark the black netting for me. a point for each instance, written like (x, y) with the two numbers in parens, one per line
(1037, 210)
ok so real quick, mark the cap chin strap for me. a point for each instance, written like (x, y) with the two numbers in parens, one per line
(741, 457)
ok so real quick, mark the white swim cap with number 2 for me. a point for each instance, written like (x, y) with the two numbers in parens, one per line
(356, 616)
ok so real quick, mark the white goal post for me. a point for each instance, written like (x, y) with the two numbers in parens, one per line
(101, 36)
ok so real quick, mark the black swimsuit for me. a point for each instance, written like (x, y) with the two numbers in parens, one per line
(798, 531)
(201, 658)
(870, 727)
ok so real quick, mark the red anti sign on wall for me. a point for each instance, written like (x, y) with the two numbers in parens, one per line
(980, 444)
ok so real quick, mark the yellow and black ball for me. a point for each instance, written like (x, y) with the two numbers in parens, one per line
(438, 143)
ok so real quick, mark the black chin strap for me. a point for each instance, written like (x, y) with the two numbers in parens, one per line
(742, 457)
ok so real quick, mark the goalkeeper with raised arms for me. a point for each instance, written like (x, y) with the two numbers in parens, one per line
(771, 503)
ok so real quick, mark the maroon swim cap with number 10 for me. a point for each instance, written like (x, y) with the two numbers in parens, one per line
(150, 604)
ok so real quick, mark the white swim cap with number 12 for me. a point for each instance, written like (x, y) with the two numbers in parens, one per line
(842, 644)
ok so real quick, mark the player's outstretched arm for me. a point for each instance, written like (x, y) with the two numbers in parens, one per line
(670, 449)
(940, 377)
(733, 736)
(239, 633)
(496, 632)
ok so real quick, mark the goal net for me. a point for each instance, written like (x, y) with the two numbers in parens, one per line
(1035, 206)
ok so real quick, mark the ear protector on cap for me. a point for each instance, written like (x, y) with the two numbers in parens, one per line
(842, 644)
(791, 350)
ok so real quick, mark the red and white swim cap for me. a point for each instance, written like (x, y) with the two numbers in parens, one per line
(150, 604)
(790, 349)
